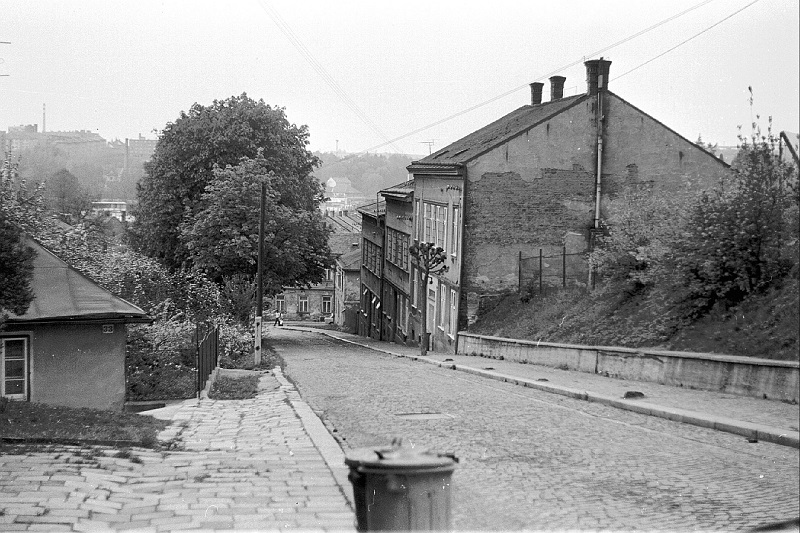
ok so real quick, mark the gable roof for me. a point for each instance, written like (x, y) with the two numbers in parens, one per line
(351, 260)
(62, 294)
(498, 132)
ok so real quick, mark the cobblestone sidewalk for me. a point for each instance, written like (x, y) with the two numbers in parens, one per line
(245, 464)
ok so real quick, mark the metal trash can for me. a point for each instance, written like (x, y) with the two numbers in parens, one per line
(401, 488)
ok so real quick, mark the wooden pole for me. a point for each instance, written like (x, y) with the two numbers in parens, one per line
(260, 277)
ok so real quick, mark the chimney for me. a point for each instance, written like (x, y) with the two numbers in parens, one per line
(597, 75)
(557, 87)
(536, 92)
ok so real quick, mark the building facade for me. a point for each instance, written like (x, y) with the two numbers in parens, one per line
(373, 221)
(536, 179)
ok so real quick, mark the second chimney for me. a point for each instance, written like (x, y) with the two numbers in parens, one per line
(536, 92)
(557, 87)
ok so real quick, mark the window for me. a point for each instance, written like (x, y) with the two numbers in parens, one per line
(326, 305)
(453, 312)
(302, 304)
(14, 368)
(414, 288)
(442, 307)
(371, 257)
(435, 224)
(328, 274)
(397, 251)
(280, 303)
(454, 236)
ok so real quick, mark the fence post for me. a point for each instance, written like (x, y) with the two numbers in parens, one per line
(564, 267)
(540, 271)
(519, 273)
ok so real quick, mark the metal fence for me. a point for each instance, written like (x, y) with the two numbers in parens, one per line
(541, 272)
(207, 349)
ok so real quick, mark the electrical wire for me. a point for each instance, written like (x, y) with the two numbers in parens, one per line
(561, 69)
(320, 70)
(698, 34)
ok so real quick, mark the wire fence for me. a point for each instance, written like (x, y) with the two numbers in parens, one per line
(540, 273)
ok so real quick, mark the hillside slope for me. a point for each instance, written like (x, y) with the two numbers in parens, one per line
(765, 325)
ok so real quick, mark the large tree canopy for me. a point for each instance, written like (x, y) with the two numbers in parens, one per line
(221, 237)
(188, 149)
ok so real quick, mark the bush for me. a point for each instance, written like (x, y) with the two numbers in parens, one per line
(742, 235)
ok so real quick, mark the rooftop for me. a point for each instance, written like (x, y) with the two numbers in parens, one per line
(61, 293)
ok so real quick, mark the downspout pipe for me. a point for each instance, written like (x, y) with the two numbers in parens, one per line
(599, 134)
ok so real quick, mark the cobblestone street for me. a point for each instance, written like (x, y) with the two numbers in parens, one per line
(533, 460)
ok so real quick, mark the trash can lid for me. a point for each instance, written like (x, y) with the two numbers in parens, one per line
(399, 457)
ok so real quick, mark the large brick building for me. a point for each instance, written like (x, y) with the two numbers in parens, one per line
(536, 179)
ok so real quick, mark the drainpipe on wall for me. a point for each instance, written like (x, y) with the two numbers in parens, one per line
(600, 119)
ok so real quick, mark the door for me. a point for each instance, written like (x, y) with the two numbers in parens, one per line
(14, 368)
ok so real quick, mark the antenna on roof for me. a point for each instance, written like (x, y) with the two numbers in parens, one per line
(430, 145)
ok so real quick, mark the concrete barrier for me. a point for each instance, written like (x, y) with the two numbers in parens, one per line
(745, 376)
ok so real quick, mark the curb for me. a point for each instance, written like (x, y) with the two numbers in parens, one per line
(323, 441)
(753, 432)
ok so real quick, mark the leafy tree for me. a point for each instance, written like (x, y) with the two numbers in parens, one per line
(221, 238)
(183, 165)
(743, 234)
(66, 197)
(16, 270)
(430, 259)
(19, 212)
(641, 231)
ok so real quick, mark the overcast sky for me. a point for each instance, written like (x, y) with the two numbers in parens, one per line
(364, 73)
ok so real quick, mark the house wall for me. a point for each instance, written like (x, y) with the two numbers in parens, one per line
(76, 365)
(397, 281)
(538, 190)
(347, 299)
(371, 315)
(315, 294)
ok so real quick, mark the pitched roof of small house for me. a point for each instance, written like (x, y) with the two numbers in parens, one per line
(498, 132)
(62, 294)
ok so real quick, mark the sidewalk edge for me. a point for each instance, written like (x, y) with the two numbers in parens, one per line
(323, 441)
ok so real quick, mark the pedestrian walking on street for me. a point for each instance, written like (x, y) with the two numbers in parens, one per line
(278, 320)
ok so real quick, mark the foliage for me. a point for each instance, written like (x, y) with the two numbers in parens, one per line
(234, 388)
(16, 270)
(431, 260)
(16, 259)
(239, 297)
(743, 234)
(184, 160)
(66, 197)
(369, 173)
(642, 231)
(160, 362)
(221, 238)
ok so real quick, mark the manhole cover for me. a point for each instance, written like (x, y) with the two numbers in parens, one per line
(423, 416)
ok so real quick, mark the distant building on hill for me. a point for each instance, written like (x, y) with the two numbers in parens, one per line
(343, 198)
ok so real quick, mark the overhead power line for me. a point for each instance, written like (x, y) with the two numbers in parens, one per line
(564, 67)
(320, 70)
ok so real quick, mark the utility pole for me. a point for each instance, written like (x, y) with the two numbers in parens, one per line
(260, 286)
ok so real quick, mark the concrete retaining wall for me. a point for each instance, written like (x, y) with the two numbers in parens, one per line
(744, 376)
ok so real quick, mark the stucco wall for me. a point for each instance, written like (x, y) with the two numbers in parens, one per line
(735, 375)
(539, 187)
(77, 365)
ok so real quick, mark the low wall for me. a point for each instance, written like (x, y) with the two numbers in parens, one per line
(745, 376)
